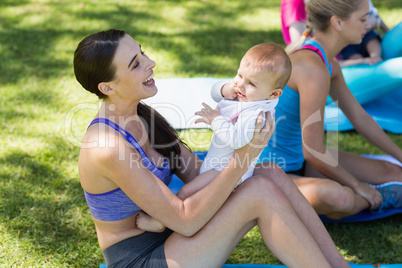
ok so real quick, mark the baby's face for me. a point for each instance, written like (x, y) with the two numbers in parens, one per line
(253, 85)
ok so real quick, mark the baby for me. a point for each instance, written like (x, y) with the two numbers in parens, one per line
(263, 72)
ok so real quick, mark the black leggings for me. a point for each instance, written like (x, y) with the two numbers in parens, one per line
(299, 172)
(145, 250)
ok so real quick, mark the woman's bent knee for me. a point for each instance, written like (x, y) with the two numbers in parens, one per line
(341, 199)
(263, 188)
(393, 172)
(327, 196)
(272, 171)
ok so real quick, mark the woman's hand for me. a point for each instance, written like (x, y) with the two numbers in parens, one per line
(262, 134)
(369, 193)
(147, 223)
(207, 114)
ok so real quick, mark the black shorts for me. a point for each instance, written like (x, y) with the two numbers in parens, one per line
(145, 250)
(299, 172)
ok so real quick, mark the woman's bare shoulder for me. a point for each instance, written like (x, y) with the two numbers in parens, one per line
(307, 61)
(100, 142)
(307, 69)
(101, 149)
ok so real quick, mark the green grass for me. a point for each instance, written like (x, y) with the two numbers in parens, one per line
(44, 220)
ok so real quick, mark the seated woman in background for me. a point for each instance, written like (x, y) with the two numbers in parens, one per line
(335, 182)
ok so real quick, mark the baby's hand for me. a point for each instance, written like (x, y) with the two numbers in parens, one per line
(228, 91)
(207, 114)
(149, 224)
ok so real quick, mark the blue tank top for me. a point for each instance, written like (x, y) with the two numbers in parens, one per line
(285, 147)
(116, 205)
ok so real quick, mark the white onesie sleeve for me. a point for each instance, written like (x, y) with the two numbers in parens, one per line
(216, 91)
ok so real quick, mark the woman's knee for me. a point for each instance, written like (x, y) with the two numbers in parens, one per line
(263, 188)
(341, 198)
(275, 171)
(272, 171)
(392, 172)
(326, 195)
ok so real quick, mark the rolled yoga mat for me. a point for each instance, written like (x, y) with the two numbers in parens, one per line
(179, 98)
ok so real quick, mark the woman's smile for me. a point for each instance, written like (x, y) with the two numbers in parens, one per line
(149, 82)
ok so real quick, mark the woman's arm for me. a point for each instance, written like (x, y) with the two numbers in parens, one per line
(359, 60)
(312, 82)
(157, 200)
(360, 119)
(189, 173)
(313, 85)
(190, 165)
(296, 30)
(374, 50)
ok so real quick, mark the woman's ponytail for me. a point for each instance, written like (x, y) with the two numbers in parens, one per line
(296, 44)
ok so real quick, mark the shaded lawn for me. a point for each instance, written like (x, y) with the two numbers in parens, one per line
(44, 220)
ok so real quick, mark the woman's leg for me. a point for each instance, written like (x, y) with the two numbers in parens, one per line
(369, 170)
(336, 201)
(303, 209)
(328, 197)
(256, 201)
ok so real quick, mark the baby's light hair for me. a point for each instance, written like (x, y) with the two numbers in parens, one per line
(272, 58)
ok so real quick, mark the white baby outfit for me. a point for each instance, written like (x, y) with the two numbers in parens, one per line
(233, 129)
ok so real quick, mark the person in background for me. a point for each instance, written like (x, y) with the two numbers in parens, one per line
(293, 19)
(370, 71)
(369, 51)
(335, 182)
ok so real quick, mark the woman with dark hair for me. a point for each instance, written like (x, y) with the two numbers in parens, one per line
(134, 152)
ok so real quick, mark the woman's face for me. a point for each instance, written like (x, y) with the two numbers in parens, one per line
(134, 71)
(357, 25)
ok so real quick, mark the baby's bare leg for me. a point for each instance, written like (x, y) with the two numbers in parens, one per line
(147, 223)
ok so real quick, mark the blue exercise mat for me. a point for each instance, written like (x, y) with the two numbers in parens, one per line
(179, 98)
(283, 266)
